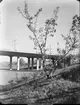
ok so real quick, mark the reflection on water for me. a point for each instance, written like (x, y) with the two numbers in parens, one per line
(6, 75)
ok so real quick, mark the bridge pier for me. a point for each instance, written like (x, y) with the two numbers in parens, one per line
(37, 63)
(28, 63)
(32, 63)
(18, 63)
(41, 64)
(10, 62)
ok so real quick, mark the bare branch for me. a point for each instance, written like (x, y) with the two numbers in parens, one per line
(21, 13)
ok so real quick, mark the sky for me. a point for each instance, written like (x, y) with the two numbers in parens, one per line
(13, 25)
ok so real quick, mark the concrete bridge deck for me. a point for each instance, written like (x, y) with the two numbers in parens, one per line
(22, 54)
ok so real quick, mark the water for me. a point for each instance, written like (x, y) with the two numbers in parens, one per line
(7, 75)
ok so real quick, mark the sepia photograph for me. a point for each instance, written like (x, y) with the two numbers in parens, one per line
(40, 52)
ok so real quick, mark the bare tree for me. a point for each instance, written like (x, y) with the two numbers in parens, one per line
(40, 35)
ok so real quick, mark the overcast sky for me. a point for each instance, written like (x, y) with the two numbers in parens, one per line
(13, 25)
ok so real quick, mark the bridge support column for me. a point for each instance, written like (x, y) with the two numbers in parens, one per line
(28, 63)
(37, 63)
(10, 62)
(41, 64)
(32, 62)
(18, 63)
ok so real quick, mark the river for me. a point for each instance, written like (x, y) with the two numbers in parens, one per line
(7, 75)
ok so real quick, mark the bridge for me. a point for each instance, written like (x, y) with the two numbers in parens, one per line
(27, 55)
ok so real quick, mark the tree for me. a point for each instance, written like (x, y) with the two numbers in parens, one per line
(75, 24)
(61, 53)
(71, 39)
(75, 29)
(71, 42)
(40, 35)
(22, 62)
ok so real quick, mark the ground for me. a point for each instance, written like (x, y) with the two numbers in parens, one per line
(42, 91)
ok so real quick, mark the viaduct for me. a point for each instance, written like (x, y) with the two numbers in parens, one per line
(27, 55)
